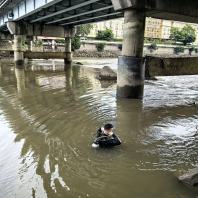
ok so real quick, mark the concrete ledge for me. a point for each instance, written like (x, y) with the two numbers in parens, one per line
(160, 66)
(47, 55)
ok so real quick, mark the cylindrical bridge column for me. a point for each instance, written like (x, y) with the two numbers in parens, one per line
(68, 52)
(131, 64)
(18, 50)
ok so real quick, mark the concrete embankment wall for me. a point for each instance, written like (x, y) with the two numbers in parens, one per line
(90, 46)
(159, 66)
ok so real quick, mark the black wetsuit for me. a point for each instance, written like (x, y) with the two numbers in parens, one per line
(106, 141)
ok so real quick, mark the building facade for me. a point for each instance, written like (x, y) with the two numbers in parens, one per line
(116, 25)
(154, 28)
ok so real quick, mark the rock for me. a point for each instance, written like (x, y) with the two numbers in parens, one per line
(190, 178)
(107, 83)
(78, 63)
(107, 74)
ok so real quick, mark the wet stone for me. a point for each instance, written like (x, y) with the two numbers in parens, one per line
(190, 178)
(107, 74)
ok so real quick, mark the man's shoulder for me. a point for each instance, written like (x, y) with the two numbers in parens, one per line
(100, 129)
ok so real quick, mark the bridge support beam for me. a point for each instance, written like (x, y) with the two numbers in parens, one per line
(69, 33)
(130, 82)
(18, 51)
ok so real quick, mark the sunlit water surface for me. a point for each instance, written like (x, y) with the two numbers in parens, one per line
(48, 118)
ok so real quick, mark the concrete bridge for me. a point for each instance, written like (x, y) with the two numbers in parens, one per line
(57, 18)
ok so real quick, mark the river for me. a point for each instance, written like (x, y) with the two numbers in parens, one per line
(48, 119)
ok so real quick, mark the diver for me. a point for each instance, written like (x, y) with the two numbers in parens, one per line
(105, 137)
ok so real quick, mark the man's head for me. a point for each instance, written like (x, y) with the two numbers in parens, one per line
(108, 127)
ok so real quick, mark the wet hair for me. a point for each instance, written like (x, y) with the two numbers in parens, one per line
(108, 126)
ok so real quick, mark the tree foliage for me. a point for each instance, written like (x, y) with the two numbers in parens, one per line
(186, 35)
(75, 43)
(100, 47)
(83, 30)
(106, 35)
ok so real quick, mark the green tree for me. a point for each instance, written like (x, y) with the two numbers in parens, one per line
(75, 43)
(106, 35)
(83, 30)
(187, 35)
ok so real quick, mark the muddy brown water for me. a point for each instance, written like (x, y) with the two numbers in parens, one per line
(48, 118)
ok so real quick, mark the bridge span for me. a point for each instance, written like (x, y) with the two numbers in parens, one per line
(57, 18)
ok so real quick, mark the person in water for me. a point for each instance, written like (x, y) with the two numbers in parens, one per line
(105, 137)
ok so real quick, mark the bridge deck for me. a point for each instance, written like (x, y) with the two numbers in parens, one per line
(59, 12)
(76, 12)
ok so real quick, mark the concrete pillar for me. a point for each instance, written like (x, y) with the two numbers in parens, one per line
(131, 64)
(18, 50)
(68, 50)
(53, 45)
(29, 43)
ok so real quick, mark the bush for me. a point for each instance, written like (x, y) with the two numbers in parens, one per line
(152, 47)
(178, 50)
(100, 47)
(120, 47)
(106, 35)
(37, 43)
(76, 43)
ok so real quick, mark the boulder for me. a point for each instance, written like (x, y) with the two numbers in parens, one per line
(107, 83)
(190, 178)
(106, 73)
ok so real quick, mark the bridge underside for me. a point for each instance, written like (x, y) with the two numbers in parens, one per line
(76, 12)
(61, 12)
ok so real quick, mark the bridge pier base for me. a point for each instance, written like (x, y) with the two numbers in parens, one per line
(18, 51)
(68, 52)
(130, 82)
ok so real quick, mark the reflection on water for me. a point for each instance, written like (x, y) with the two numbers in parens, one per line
(49, 115)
